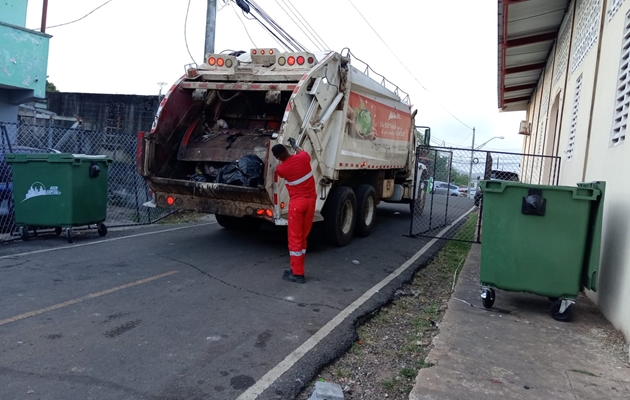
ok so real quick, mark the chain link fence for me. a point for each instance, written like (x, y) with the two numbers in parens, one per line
(450, 195)
(127, 191)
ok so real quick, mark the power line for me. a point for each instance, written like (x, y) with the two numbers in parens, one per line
(280, 41)
(467, 137)
(185, 33)
(77, 20)
(225, 3)
(309, 25)
(304, 22)
(263, 14)
(308, 36)
(248, 6)
(404, 66)
(244, 27)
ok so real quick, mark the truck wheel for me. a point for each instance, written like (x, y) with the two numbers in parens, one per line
(366, 210)
(236, 223)
(339, 216)
(416, 207)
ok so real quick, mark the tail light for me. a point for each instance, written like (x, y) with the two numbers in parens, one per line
(291, 60)
(269, 213)
(220, 62)
(212, 61)
(170, 200)
(300, 60)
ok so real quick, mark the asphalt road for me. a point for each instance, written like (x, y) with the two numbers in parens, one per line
(187, 311)
(440, 211)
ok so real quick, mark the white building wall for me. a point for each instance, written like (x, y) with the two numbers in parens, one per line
(594, 157)
(612, 164)
(583, 61)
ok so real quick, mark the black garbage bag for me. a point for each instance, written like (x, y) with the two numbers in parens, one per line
(253, 168)
(231, 175)
(246, 171)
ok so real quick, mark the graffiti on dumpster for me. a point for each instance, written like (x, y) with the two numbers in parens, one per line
(38, 189)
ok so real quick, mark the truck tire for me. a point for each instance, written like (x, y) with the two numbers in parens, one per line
(236, 223)
(366, 210)
(339, 216)
(416, 207)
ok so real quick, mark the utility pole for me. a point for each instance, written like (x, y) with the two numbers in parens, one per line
(472, 158)
(44, 15)
(211, 26)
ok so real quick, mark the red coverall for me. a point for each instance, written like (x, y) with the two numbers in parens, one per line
(298, 175)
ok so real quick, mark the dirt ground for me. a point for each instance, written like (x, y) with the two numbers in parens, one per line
(394, 341)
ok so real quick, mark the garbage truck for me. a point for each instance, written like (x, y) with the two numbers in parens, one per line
(209, 149)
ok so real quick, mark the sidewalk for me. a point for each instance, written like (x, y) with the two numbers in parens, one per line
(517, 351)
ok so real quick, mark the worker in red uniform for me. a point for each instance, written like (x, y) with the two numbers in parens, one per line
(298, 175)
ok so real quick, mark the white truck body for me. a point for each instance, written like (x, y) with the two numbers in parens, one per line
(357, 131)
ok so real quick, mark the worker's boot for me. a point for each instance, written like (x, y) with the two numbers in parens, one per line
(288, 276)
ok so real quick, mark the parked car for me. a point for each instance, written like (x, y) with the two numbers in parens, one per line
(7, 215)
(496, 176)
(446, 189)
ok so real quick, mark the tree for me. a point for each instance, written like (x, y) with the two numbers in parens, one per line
(50, 87)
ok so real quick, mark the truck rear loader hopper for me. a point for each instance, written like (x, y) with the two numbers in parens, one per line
(209, 147)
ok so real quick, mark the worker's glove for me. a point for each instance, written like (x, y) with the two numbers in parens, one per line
(293, 143)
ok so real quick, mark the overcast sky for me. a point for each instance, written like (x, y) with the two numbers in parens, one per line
(128, 46)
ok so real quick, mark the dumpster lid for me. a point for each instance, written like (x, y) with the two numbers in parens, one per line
(52, 157)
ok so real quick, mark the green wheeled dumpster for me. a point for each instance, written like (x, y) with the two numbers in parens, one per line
(543, 240)
(59, 191)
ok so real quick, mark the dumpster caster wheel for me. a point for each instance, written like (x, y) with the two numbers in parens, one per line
(565, 316)
(24, 233)
(487, 298)
(58, 230)
(70, 235)
(102, 229)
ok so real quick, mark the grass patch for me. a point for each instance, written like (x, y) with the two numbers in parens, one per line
(394, 342)
(389, 384)
(409, 372)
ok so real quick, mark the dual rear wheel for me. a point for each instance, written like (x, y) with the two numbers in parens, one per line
(347, 212)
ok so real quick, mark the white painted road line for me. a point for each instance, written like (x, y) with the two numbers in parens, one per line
(74, 246)
(81, 299)
(270, 377)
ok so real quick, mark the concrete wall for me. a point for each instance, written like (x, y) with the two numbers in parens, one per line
(594, 157)
(106, 112)
(23, 60)
(13, 12)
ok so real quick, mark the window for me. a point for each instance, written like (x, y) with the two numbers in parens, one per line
(622, 99)
(562, 54)
(615, 5)
(588, 14)
(574, 117)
